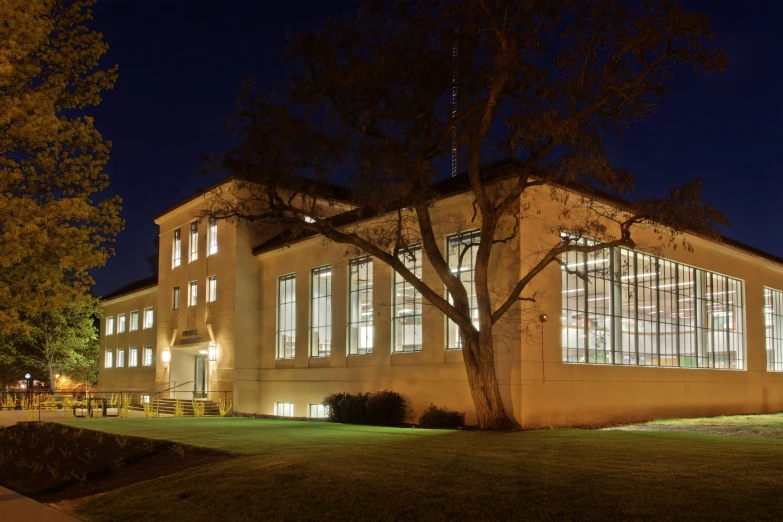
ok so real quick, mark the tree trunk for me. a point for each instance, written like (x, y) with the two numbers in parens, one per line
(52, 380)
(479, 354)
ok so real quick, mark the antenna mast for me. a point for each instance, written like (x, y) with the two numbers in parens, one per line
(454, 108)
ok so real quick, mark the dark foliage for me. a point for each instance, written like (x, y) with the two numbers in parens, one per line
(347, 408)
(438, 418)
(387, 408)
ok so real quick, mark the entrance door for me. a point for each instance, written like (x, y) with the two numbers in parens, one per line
(201, 377)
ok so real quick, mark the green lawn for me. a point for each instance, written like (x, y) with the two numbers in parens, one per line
(318, 471)
(767, 426)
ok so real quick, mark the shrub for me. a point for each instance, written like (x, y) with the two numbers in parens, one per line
(347, 408)
(387, 408)
(437, 418)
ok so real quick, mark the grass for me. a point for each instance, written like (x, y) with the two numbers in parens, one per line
(765, 426)
(292, 470)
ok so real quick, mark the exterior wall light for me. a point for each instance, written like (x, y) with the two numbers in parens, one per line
(166, 355)
(213, 352)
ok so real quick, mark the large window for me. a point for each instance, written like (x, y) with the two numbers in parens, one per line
(134, 321)
(176, 256)
(407, 305)
(149, 318)
(193, 241)
(286, 317)
(175, 298)
(133, 357)
(284, 409)
(109, 361)
(626, 307)
(212, 231)
(147, 356)
(120, 357)
(360, 322)
(321, 312)
(193, 293)
(773, 319)
(462, 249)
(110, 325)
(212, 289)
(121, 323)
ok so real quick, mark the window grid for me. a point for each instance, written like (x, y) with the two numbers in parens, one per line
(193, 241)
(176, 257)
(284, 409)
(319, 411)
(360, 304)
(109, 361)
(212, 237)
(175, 298)
(286, 317)
(408, 305)
(773, 321)
(147, 356)
(133, 358)
(638, 309)
(321, 312)
(212, 289)
(193, 293)
(462, 250)
(121, 323)
(149, 319)
(120, 357)
(134, 320)
(110, 325)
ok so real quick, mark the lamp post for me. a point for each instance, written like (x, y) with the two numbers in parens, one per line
(28, 384)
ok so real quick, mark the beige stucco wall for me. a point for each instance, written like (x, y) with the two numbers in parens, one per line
(128, 378)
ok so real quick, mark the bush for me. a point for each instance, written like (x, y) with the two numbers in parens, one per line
(438, 418)
(387, 408)
(347, 408)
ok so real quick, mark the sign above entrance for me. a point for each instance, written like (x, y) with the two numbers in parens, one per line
(189, 337)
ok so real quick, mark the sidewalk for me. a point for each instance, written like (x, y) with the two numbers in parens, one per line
(16, 508)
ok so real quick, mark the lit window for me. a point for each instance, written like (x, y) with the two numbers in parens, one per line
(639, 309)
(120, 357)
(176, 258)
(319, 411)
(121, 323)
(360, 325)
(145, 399)
(175, 299)
(109, 361)
(284, 409)
(212, 289)
(147, 356)
(133, 359)
(773, 319)
(407, 305)
(212, 231)
(321, 312)
(148, 318)
(134, 321)
(193, 294)
(462, 249)
(110, 325)
(193, 241)
(286, 317)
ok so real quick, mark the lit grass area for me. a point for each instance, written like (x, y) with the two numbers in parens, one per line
(765, 426)
(319, 471)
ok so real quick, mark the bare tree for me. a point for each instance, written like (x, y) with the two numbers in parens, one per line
(368, 102)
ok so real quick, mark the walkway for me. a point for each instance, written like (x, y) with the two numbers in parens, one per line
(16, 508)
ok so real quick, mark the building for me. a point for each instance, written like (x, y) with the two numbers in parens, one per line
(279, 325)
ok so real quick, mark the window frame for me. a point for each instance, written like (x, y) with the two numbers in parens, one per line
(212, 235)
(134, 325)
(193, 293)
(176, 253)
(451, 325)
(109, 328)
(211, 289)
(283, 351)
(322, 411)
(358, 294)
(108, 359)
(773, 328)
(120, 362)
(317, 348)
(133, 357)
(121, 323)
(151, 311)
(284, 406)
(401, 284)
(145, 360)
(175, 295)
(193, 242)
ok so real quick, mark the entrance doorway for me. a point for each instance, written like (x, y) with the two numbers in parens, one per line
(201, 378)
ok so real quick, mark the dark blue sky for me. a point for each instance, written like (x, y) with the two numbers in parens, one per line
(181, 63)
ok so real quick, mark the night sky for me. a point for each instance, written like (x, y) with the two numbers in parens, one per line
(181, 63)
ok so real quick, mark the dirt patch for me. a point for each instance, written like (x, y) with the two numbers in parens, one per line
(55, 463)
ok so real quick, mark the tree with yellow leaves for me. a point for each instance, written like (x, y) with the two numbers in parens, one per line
(54, 225)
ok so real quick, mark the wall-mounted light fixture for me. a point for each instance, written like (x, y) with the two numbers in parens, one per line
(166, 355)
(213, 352)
